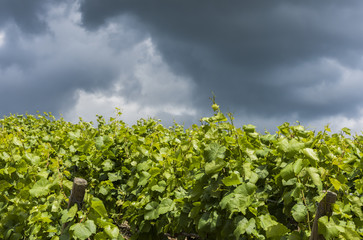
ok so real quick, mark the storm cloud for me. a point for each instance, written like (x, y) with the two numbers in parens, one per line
(266, 61)
(267, 57)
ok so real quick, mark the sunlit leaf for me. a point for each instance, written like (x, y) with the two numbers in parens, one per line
(214, 151)
(315, 177)
(233, 179)
(311, 155)
(83, 230)
(299, 212)
(40, 188)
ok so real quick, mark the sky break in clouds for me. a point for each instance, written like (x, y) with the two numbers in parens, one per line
(267, 62)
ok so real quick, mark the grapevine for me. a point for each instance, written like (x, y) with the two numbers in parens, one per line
(209, 181)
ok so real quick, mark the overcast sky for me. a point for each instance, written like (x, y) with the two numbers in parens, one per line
(268, 62)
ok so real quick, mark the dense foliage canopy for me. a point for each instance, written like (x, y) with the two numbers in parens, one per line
(214, 180)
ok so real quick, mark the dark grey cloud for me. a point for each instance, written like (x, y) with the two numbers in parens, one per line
(49, 84)
(263, 58)
(27, 15)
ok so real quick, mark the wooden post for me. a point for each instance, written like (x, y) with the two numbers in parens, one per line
(324, 209)
(78, 191)
(77, 195)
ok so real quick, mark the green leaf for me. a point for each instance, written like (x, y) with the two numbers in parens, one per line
(208, 222)
(239, 200)
(90, 225)
(101, 236)
(154, 171)
(233, 179)
(287, 172)
(113, 177)
(33, 159)
(17, 142)
(346, 131)
(292, 146)
(326, 128)
(219, 117)
(350, 234)
(266, 221)
(144, 178)
(214, 151)
(315, 177)
(356, 206)
(295, 235)
(112, 231)
(103, 222)
(244, 226)
(328, 228)
(144, 166)
(241, 228)
(75, 135)
(298, 165)
(4, 185)
(311, 155)
(277, 230)
(103, 142)
(249, 175)
(40, 188)
(68, 215)
(249, 128)
(151, 211)
(272, 228)
(299, 212)
(251, 226)
(251, 154)
(83, 230)
(104, 190)
(108, 165)
(165, 206)
(335, 183)
(214, 166)
(160, 187)
(97, 206)
(99, 143)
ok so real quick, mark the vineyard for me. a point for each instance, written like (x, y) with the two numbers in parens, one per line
(210, 181)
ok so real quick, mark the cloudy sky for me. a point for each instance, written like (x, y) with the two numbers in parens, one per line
(267, 62)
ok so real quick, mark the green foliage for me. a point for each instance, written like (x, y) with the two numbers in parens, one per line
(215, 180)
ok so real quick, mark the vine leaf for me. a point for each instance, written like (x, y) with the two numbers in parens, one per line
(83, 230)
(315, 177)
(299, 212)
(40, 188)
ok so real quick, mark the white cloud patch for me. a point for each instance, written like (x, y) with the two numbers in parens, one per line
(160, 92)
(336, 123)
(159, 85)
(91, 104)
(2, 38)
